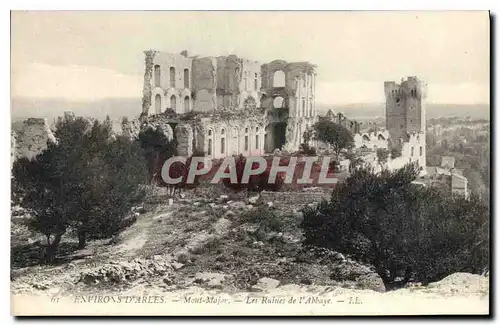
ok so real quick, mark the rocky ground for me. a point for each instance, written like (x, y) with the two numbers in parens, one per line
(213, 244)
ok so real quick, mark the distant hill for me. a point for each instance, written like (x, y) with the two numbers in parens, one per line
(373, 110)
(23, 108)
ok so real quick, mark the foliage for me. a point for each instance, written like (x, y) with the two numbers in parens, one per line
(257, 182)
(334, 135)
(85, 183)
(267, 219)
(304, 148)
(157, 149)
(382, 156)
(405, 231)
(395, 152)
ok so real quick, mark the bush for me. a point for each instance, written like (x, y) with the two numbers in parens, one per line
(267, 219)
(257, 182)
(406, 231)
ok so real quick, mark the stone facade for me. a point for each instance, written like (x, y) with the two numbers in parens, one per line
(405, 123)
(294, 197)
(234, 105)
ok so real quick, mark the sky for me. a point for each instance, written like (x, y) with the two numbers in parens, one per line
(96, 55)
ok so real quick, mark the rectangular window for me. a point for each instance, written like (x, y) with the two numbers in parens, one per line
(256, 141)
(222, 145)
(421, 151)
(246, 143)
(209, 147)
(411, 151)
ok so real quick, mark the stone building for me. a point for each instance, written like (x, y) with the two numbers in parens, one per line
(352, 125)
(228, 105)
(405, 126)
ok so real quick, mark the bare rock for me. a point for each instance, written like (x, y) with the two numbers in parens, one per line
(362, 276)
(265, 284)
(213, 280)
(222, 226)
(253, 200)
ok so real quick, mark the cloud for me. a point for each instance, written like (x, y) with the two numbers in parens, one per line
(92, 83)
(73, 82)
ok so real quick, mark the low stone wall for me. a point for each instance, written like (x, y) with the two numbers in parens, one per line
(301, 197)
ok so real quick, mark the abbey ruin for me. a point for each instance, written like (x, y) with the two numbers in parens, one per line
(227, 105)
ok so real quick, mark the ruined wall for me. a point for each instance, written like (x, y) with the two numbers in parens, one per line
(231, 133)
(184, 135)
(372, 140)
(412, 150)
(238, 80)
(147, 91)
(298, 93)
(31, 138)
(204, 86)
(294, 198)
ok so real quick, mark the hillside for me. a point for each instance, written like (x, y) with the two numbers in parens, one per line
(210, 245)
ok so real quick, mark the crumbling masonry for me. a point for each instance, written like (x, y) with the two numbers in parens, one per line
(227, 105)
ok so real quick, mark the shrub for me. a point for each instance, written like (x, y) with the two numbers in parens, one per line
(267, 219)
(257, 182)
(405, 231)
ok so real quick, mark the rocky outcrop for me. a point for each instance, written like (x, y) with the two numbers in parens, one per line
(124, 272)
(31, 137)
(363, 276)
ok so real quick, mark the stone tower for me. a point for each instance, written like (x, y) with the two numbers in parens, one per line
(405, 107)
(405, 118)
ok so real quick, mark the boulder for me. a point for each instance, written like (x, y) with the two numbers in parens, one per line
(253, 200)
(213, 280)
(222, 226)
(237, 204)
(265, 284)
(362, 276)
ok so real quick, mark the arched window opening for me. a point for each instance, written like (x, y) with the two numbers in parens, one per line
(157, 76)
(158, 103)
(246, 139)
(210, 143)
(210, 147)
(172, 77)
(186, 78)
(186, 104)
(173, 102)
(278, 102)
(279, 79)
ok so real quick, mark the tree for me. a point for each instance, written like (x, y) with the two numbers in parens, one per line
(39, 189)
(405, 231)
(355, 161)
(382, 156)
(257, 182)
(86, 183)
(157, 149)
(334, 135)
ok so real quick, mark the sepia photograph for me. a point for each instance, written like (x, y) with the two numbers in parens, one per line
(250, 163)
